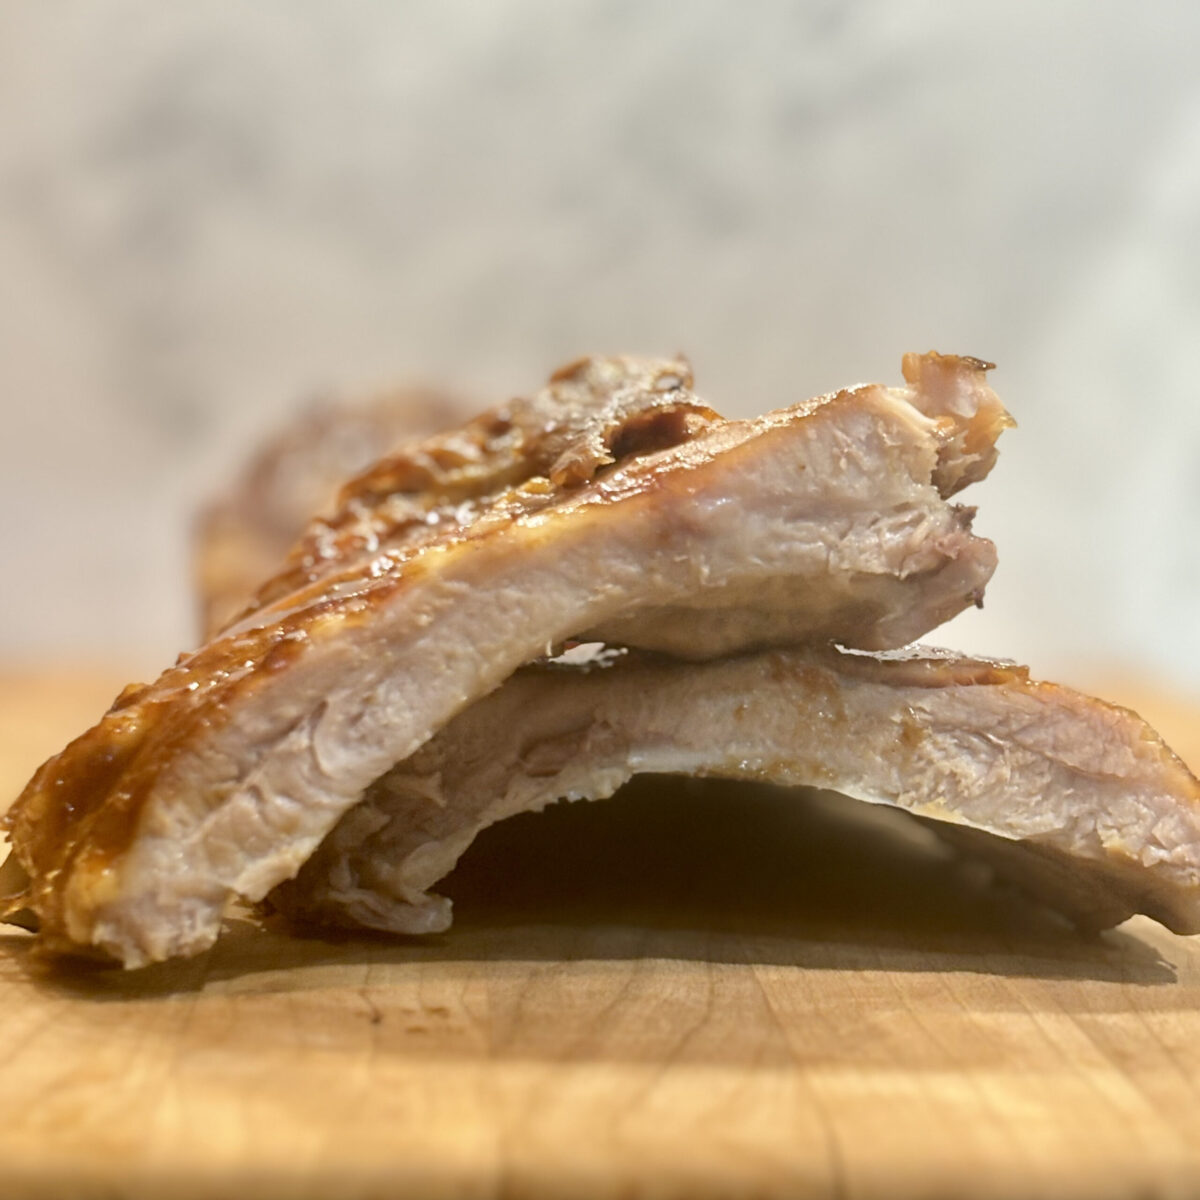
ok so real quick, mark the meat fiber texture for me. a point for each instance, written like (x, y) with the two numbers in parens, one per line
(1076, 800)
(615, 505)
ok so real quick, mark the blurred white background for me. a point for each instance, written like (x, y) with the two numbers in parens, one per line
(210, 212)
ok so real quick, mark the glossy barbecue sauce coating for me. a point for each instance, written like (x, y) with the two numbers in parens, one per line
(393, 524)
(80, 811)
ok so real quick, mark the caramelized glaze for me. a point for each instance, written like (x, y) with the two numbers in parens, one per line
(81, 809)
(394, 524)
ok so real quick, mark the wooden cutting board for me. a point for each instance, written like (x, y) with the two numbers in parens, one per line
(779, 1004)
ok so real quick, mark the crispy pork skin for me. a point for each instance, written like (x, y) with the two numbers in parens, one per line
(1077, 800)
(614, 501)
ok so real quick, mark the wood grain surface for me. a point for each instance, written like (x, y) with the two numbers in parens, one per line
(682, 992)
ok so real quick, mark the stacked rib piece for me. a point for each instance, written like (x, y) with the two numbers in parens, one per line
(384, 698)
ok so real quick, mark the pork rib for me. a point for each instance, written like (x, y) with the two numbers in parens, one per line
(243, 534)
(1077, 799)
(615, 501)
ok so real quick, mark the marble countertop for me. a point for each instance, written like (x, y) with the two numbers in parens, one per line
(208, 213)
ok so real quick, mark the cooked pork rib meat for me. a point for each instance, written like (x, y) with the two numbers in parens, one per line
(1079, 800)
(615, 501)
(513, 462)
(245, 533)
